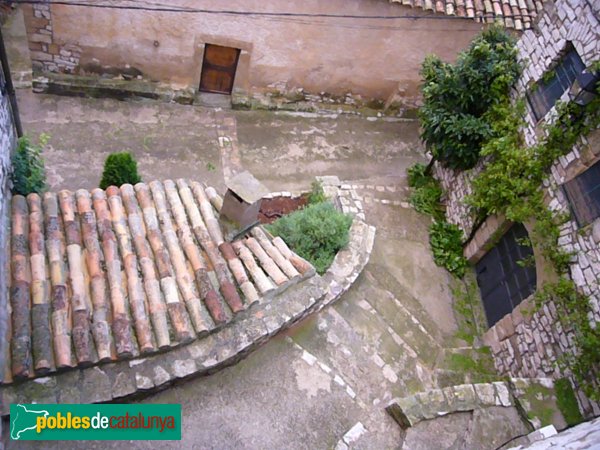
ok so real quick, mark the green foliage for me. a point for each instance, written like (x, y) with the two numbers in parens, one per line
(29, 174)
(459, 99)
(446, 243)
(478, 364)
(316, 233)
(416, 175)
(468, 307)
(574, 311)
(119, 168)
(427, 193)
(426, 200)
(317, 194)
(567, 403)
(510, 185)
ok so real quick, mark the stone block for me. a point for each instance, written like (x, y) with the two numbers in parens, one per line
(502, 394)
(463, 398)
(38, 37)
(505, 327)
(394, 410)
(95, 386)
(40, 56)
(486, 393)
(142, 382)
(123, 385)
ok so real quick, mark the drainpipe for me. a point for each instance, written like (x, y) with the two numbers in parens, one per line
(9, 88)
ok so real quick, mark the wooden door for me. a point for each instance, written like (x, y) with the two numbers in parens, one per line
(218, 69)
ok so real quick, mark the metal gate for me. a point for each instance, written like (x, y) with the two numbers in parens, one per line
(504, 283)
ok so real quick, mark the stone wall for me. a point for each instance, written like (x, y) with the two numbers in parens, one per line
(46, 54)
(7, 143)
(525, 344)
(374, 59)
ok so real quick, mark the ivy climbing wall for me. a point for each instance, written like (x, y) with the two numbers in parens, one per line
(525, 344)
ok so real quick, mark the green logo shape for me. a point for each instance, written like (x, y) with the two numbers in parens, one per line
(41, 422)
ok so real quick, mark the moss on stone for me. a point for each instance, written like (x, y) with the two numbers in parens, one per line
(567, 403)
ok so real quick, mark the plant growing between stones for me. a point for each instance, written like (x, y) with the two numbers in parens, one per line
(446, 244)
(445, 239)
(317, 194)
(567, 403)
(29, 174)
(316, 233)
(119, 168)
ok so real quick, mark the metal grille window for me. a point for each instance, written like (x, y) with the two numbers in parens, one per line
(544, 96)
(503, 282)
(583, 193)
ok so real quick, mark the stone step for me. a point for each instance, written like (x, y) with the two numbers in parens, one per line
(381, 277)
(404, 324)
(390, 353)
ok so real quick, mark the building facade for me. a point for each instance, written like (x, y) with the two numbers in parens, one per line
(563, 42)
(8, 139)
(288, 49)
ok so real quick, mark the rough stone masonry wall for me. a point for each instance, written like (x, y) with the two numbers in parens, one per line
(7, 143)
(527, 345)
(46, 54)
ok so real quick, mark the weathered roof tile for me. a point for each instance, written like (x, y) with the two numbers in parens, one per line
(111, 274)
(516, 14)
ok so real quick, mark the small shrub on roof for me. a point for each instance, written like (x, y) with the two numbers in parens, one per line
(119, 168)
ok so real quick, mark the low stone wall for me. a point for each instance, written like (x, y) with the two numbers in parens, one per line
(225, 347)
(409, 411)
(534, 398)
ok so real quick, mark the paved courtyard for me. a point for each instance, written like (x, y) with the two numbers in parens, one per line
(334, 372)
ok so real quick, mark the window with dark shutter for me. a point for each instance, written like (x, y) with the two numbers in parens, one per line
(546, 92)
(583, 193)
(503, 282)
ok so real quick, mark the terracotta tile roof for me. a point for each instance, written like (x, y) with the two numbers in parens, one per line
(102, 275)
(517, 14)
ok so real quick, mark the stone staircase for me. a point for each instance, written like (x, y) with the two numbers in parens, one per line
(106, 275)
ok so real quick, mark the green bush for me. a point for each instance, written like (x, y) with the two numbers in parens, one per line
(29, 174)
(416, 175)
(119, 168)
(316, 233)
(446, 244)
(459, 99)
(317, 194)
(427, 193)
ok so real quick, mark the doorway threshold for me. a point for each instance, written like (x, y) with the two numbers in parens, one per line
(211, 100)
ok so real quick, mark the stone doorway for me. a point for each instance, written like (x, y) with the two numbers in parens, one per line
(218, 69)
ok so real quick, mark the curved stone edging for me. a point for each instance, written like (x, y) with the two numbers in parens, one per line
(409, 411)
(120, 380)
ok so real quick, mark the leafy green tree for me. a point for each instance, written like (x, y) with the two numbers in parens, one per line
(29, 174)
(119, 168)
(459, 100)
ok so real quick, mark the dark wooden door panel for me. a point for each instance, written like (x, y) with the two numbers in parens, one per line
(218, 69)
(503, 282)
